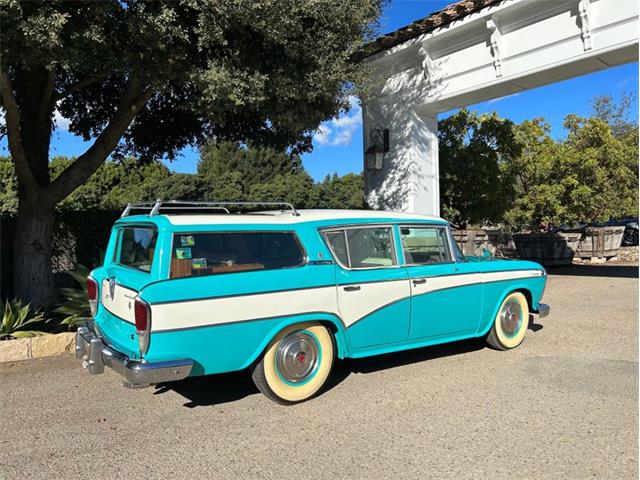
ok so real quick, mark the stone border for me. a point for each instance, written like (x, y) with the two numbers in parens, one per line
(36, 347)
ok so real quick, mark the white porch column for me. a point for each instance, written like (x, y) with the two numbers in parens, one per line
(409, 180)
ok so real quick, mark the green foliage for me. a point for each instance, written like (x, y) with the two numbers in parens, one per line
(599, 171)
(246, 70)
(8, 187)
(75, 306)
(255, 165)
(537, 204)
(342, 192)
(475, 184)
(298, 189)
(616, 114)
(18, 320)
(590, 177)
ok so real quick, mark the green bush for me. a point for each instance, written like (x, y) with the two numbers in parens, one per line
(19, 320)
(588, 178)
(75, 306)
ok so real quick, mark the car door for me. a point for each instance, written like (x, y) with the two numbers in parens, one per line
(446, 296)
(372, 289)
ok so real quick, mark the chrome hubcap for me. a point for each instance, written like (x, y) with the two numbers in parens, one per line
(511, 318)
(297, 357)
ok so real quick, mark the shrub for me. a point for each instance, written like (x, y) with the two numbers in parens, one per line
(76, 303)
(18, 320)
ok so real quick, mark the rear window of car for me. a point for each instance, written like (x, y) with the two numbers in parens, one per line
(196, 254)
(136, 247)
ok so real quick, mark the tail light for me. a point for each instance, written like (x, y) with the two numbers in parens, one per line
(92, 294)
(142, 313)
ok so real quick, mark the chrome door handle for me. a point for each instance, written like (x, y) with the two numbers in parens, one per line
(419, 281)
(352, 288)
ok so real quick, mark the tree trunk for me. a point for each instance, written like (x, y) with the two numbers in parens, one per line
(32, 247)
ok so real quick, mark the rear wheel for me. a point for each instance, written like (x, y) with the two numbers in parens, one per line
(296, 363)
(510, 324)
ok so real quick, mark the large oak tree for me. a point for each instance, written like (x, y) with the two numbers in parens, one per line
(148, 78)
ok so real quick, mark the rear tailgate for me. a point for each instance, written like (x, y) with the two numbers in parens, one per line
(134, 265)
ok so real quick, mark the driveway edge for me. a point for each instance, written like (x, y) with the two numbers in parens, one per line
(36, 347)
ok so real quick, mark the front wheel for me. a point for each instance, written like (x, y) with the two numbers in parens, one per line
(295, 364)
(510, 324)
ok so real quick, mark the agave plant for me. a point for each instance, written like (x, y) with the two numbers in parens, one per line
(76, 303)
(18, 320)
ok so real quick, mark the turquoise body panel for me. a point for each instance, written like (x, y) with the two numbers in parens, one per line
(230, 347)
(451, 311)
(385, 325)
(413, 321)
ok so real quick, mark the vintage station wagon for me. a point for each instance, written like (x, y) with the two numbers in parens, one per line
(190, 289)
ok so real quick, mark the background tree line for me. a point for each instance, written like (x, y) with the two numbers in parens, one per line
(493, 171)
(225, 171)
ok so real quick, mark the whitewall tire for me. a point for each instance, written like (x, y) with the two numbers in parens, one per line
(511, 323)
(296, 363)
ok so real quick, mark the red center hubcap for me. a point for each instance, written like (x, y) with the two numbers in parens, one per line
(300, 357)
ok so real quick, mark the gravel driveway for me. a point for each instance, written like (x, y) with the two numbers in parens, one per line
(563, 405)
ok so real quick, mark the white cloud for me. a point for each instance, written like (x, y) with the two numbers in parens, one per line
(59, 121)
(322, 136)
(495, 100)
(623, 82)
(338, 132)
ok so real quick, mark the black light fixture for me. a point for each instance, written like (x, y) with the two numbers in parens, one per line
(375, 153)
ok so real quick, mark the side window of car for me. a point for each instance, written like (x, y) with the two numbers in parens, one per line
(338, 243)
(425, 245)
(366, 247)
(227, 252)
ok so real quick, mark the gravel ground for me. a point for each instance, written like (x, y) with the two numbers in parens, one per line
(563, 405)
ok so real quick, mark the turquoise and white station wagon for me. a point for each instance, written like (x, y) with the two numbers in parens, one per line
(190, 289)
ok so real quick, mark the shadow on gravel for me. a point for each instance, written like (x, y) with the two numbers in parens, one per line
(614, 271)
(229, 387)
(212, 389)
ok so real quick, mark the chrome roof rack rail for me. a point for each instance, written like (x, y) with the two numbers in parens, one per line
(155, 207)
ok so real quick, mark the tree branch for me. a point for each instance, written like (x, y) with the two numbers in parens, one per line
(131, 102)
(13, 133)
(77, 86)
(46, 105)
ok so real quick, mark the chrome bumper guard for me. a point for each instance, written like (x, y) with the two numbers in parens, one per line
(95, 354)
(543, 310)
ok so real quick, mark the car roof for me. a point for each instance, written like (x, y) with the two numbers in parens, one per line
(277, 217)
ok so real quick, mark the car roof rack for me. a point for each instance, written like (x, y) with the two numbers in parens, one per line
(177, 205)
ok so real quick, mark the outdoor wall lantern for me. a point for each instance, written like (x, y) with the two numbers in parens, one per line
(374, 155)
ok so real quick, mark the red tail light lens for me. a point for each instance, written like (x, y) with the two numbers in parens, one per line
(92, 289)
(92, 294)
(142, 313)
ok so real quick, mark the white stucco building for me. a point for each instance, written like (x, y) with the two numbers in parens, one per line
(470, 52)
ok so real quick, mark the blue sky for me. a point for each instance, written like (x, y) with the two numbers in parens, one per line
(338, 145)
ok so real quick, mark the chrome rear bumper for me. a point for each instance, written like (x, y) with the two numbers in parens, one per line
(543, 310)
(95, 354)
